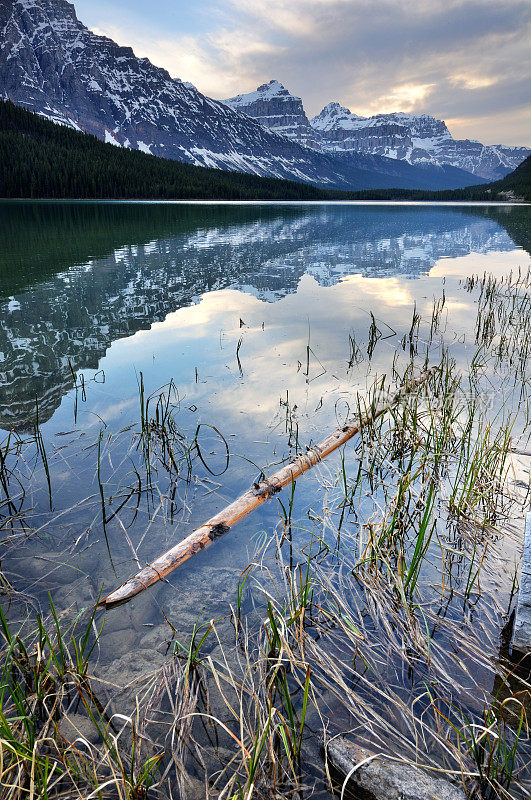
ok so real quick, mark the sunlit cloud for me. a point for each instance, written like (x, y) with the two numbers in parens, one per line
(408, 97)
(212, 66)
(299, 18)
(473, 81)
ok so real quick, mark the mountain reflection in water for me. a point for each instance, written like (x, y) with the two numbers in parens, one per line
(76, 277)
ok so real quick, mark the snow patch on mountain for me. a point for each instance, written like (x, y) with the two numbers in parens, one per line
(109, 138)
(275, 108)
(144, 148)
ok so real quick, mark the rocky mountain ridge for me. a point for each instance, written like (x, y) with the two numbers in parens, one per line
(274, 107)
(51, 63)
(418, 139)
(413, 138)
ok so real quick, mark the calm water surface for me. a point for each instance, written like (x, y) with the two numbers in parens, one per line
(252, 312)
(225, 301)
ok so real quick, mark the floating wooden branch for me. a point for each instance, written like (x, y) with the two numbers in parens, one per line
(223, 521)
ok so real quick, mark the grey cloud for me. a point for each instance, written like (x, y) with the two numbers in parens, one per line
(501, 97)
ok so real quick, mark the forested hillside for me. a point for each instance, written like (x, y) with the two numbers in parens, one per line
(515, 186)
(41, 159)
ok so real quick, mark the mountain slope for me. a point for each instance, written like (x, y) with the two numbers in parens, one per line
(41, 159)
(515, 187)
(51, 63)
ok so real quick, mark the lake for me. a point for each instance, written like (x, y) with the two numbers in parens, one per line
(252, 330)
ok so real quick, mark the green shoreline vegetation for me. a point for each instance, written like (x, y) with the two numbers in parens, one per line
(39, 159)
(242, 702)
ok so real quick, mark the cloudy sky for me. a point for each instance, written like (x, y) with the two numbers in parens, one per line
(465, 61)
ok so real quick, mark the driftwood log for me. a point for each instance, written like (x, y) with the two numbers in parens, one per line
(223, 521)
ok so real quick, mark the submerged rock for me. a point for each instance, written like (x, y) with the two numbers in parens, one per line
(76, 726)
(134, 665)
(379, 779)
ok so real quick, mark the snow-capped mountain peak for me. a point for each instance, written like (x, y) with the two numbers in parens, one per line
(267, 91)
(275, 108)
(418, 139)
(334, 115)
(51, 63)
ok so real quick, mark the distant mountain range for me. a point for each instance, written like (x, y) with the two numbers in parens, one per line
(52, 64)
(416, 139)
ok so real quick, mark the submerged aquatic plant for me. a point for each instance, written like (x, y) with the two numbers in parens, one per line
(45, 682)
